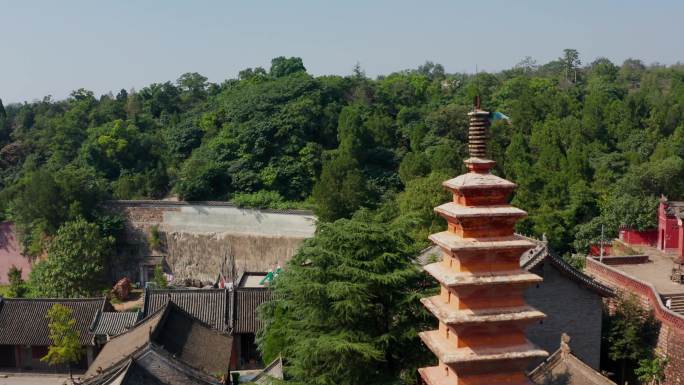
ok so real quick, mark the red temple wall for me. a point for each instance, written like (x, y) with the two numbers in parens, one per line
(636, 237)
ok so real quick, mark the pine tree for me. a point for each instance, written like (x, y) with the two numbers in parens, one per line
(17, 287)
(347, 309)
(159, 278)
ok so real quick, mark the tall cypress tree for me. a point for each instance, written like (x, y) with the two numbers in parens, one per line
(347, 308)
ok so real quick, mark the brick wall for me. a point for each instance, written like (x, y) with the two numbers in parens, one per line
(624, 260)
(671, 335)
(570, 308)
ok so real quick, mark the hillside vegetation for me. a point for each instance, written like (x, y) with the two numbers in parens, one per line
(588, 145)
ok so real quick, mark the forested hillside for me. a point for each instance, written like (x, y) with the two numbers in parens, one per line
(588, 145)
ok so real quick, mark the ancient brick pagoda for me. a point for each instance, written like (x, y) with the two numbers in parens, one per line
(481, 310)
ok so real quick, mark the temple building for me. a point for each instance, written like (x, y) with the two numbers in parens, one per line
(481, 309)
(562, 367)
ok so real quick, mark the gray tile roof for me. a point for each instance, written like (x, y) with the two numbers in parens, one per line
(171, 345)
(674, 208)
(194, 342)
(24, 322)
(563, 367)
(246, 302)
(222, 309)
(111, 323)
(210, 306)
(126, 344)
(151, 366)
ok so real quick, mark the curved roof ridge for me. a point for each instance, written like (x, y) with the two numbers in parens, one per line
(577, 275)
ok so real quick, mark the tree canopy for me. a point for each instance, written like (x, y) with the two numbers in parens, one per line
(75, 265)
(589, 143)
(347, 309)
(66, 347)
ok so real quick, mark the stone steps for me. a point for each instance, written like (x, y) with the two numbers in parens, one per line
(677, 305)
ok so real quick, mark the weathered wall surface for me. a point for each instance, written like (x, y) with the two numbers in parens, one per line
(10, 253)
(671, 335)
(197, 238)
(570, 308)
(200, 256)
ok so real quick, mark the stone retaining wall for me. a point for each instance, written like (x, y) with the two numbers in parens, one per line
(197, 238)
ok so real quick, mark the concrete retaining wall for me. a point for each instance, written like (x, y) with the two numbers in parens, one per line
(196, 238)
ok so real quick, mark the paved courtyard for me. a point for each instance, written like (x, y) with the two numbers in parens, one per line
(657, 271)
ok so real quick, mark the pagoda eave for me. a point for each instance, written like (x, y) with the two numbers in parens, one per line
(454, 210)
(447, 353)
(450, 279)
(454, 243)
(477, 181)
(434, 375)
(465, 317)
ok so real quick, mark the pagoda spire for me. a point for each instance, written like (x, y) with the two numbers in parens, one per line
(481, 311)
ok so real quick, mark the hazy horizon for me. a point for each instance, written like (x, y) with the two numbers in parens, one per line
(54, 48)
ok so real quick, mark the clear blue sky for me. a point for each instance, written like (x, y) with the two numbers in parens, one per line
(52, 47)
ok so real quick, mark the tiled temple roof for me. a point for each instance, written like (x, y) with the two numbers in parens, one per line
(171, 332)
(24, 322)
(211, 306)
(124, 345)
(111, 323)
(565, 366)
(674, 208)
(246, 302)
(151, 365)
(224, 310)
(567, 270)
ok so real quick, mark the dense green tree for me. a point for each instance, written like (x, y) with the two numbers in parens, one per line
(571, 62)
(347, 309)
(417, 202)
(182, 138)
(4, 126)
(414, 165)
(76, 262)
(17, 286)
(159, 278)
(632, 333)
(282, 66)
(44, 199)
(193, 87)
(652, 371)
(66, 347)
(341, 189)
